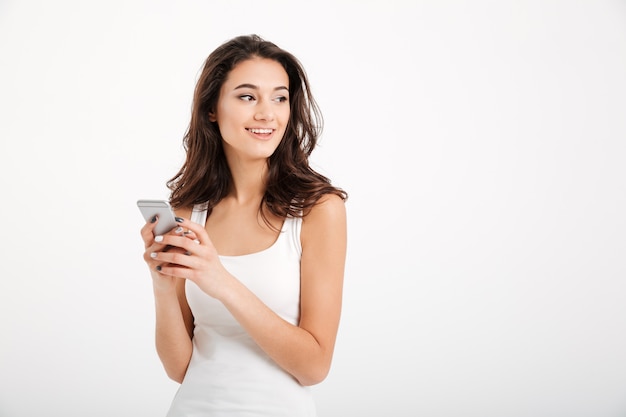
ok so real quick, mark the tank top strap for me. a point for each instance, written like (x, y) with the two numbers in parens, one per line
(292, 228)
(199, 214)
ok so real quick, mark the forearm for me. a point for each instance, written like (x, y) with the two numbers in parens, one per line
(172, 339)
(293, 348)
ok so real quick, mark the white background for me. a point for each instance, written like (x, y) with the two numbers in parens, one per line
(483, 147)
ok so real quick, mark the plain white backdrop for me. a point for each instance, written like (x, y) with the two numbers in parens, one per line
(483, 147)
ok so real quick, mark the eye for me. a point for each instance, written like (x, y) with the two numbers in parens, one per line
(281, 99)
(246, 97)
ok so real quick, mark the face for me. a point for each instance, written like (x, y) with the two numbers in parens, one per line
(253, 109)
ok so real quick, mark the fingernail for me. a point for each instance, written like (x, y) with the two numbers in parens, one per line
(178, 230)
(153, 255)
(197, 241)
(187, 253)
(154, 219)
(158, 238)
(158, 268)
(179, 219)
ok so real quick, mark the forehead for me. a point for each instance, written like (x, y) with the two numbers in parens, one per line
(261, 72)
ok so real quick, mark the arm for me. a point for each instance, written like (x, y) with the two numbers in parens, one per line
(306, 350)
(173, 330)
(174, 321)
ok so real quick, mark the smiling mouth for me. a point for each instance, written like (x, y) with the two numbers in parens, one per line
(260, 131)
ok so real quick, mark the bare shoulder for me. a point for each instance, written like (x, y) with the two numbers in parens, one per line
(328, 207)
(325, 218)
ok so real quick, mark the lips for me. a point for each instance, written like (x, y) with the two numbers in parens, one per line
(260, 131)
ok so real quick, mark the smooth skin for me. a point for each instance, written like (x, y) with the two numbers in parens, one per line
(252, 113)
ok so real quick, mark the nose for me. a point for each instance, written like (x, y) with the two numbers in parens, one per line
(264, 112)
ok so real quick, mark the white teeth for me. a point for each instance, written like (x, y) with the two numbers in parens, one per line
(261, 131)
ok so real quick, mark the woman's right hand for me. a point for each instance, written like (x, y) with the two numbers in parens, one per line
(161, 282)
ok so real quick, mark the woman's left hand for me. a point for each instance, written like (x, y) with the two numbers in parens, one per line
(197, 260)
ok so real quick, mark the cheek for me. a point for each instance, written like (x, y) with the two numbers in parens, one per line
(284, 115)
(227, 120)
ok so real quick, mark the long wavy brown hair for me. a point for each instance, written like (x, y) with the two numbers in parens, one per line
(292, 186)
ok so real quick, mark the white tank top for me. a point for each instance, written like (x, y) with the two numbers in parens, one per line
(229, 375)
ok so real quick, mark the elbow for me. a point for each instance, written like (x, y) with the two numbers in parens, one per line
(314, 375)
(310, 381)
(315, 367)
(176, 376)
(175, 366)
(176, 373)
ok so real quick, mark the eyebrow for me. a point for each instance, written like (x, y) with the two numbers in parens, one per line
(255, 87)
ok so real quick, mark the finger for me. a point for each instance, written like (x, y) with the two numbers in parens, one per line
(156, 244)
(198, 230)
(175, 258)
(151, 252)
(167, 248)
(161, 239)
(190, 235)
(175, 271)
(181, 245)
(147, 231)
(188, 242)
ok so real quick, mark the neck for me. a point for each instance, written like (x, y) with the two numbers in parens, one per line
(249, 182)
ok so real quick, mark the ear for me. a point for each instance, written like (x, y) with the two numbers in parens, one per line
(212, 117)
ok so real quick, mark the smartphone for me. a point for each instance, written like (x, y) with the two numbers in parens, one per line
(162, 209)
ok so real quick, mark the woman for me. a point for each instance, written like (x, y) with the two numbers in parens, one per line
(248, 289)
